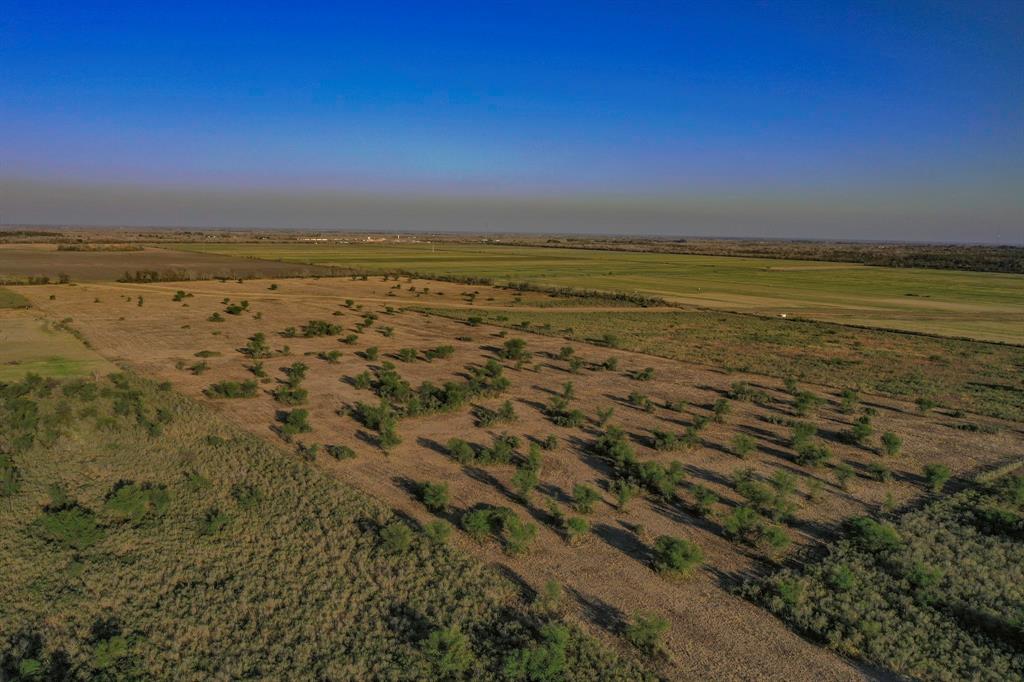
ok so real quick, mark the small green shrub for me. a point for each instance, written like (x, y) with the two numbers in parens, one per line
(396, 537)
(525, 480)
(646, 632)
(136, 503)
(331, 356)
(936, 476)
(461, 451)
(720, 410)
(448, 652)
(438, 531)
(743, 445)
(434, 496)
(874, 536)
(71, 526)
(584, 498)
(213, 521)
(891, 443)
(340, 451)
(676, 556)
(576, 529)
(233, 389)
(645, 374)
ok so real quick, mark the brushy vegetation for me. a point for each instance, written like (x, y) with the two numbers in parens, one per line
(399, 399)
(937, 594)
(233, 389)
(200, 551)
(956, 373)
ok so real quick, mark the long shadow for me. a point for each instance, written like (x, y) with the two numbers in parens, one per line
(692, 470)
(535, 404)
(431, 444)
(595, 462)
(525, 590)
(776, 453)
(729, 580)
(488, 479)
(677, 514)
(366, 437)
(545, 389)
(554, 492)
(599, 612)
(763, 434)
(720, 392)
(815, 529)
(624, 541)
(407, 485)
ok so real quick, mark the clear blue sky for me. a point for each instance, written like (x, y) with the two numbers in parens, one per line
(893, 108)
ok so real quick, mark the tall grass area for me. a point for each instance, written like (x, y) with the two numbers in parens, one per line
(141, 537)
(962, 375)
(938, 594)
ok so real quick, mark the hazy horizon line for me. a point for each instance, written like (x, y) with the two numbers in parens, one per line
(818, 217)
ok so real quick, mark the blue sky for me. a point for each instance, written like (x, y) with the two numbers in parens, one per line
(893, 107)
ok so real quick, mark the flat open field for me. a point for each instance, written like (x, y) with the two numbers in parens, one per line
(160, 542)
(987, 306)
(608, 574)
(974, 376)
(29, 343)
(9, 299)
(18, 262)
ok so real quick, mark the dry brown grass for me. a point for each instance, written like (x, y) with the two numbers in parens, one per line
(713, 632)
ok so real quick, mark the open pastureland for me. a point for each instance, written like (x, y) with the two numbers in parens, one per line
(32, 344)
(986, 306)
(606, 454)
(35, 262)
(958, 374)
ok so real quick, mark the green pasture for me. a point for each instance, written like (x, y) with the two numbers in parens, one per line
(12, 299)
(32, 345)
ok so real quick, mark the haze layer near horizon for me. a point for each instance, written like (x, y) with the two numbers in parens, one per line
(845, 120)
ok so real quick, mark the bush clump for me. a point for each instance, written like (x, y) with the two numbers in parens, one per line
(676, 556)
(434, 496)
(933, 595)
(233, 389)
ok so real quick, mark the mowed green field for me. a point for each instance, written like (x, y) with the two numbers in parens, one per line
(987, 306)
(29, 344)
(12, 299)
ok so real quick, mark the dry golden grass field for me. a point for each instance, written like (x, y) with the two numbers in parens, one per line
(608, 571)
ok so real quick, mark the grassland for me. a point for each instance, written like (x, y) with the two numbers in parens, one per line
(959, 374)
(24, 262)
(366, 377)
(937, 593)
(11, 299)
(30, 344)
(649, 459)
(144, 538)
(987, 306)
